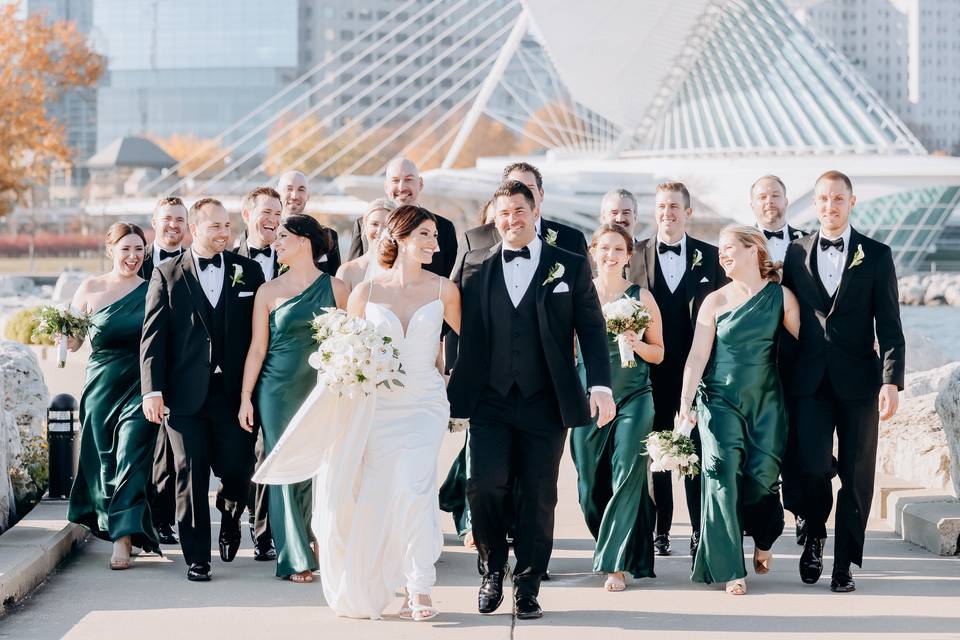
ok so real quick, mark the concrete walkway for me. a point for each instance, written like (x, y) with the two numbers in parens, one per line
(904, 591)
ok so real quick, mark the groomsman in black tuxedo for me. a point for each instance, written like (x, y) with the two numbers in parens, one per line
(403, 185)
(196, 331)
(847, 287)
(295, 192)
(169, 222)
(524, 303)
(680, 271)
(768, 199)
(260, 210)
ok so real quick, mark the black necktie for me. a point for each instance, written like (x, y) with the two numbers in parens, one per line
(206, 262)
(773, 234)
(164, 254)
(836, 244)
(266, 251)
(509, 254)
(663, 247)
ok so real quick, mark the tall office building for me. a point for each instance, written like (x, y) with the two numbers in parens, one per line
(909, 51)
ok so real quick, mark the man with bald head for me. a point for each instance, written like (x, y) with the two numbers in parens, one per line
(403, 185)
(294, 193)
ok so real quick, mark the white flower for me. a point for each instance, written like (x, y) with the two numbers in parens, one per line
(858, 257)
(551, 237)
(556, 272)
(697, 259)
(237, 277)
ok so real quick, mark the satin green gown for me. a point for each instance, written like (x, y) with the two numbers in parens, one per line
(743, 429)
(612, 471)
(286, 379)
(453, 494)
(109, 494)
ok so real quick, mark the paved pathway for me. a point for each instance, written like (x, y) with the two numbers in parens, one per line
(903, 592)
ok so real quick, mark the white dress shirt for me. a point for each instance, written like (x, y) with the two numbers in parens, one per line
(211, 279)
(518, 273)
(266, 265)
(777, 247)
(830, 262)
(673, 266)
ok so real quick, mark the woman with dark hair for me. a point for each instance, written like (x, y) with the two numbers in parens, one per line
(611, 466)
(732, 369)
(379, 526)
(277, 377)
(109, 494)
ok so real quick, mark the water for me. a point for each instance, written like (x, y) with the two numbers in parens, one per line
(933, 336)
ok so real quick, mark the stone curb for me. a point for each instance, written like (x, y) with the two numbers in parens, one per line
(925, 517)
(33, 548)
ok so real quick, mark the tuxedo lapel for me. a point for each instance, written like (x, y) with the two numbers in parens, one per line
(192, 281)
(809, 243)
(689, 280)
(845, 274)
(546, 262)
(486, 273)
(227, 291)
(650, 263)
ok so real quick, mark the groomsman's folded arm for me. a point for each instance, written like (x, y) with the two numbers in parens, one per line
(887, 320)
(153, 343)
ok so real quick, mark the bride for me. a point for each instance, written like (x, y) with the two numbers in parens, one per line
(376, 515)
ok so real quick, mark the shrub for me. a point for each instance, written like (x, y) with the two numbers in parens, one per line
(30, 472)
(20, 328)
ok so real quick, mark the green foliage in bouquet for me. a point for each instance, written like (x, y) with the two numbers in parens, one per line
(52, 320)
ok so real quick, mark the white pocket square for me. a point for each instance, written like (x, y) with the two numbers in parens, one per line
(561, 288)
(703, 279)
(245, 294)
(323, 258)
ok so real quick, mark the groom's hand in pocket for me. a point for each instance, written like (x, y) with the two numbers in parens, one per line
(602, 406)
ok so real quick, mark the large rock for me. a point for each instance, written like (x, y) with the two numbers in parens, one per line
(67, 285)
(9, 448)
(948, 408)
(931, 289)
(11, 285)
(25, 395)
(914, 444)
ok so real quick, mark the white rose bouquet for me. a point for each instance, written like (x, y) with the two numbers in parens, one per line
(58, 324)
(353, 358)
(672, 451)
(623, 315)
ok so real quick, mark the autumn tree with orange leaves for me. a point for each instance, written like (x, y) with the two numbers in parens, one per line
(39, 60)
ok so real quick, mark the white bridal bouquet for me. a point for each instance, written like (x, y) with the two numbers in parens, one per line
(352, 358)
(58, 324)
(622, 315)
(672, 451)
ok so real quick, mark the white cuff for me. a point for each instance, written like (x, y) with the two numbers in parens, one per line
(153, 394)
(602, 390)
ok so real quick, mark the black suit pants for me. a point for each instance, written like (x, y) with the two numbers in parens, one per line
(856, 424)
(211, 439)
(163, 490)
(515, 448)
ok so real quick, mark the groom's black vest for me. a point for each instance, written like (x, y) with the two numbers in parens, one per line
(216, 318)
(516, 351)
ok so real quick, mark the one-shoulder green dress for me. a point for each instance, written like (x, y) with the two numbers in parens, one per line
(612, 471)
(743, 429)
(109, 494)
(286, 379)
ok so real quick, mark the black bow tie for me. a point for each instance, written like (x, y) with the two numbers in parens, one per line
(216, 261)
(773, 234)
(663, 247)
(164, 254)
(509, 254)
(266, 251)
(836, 244)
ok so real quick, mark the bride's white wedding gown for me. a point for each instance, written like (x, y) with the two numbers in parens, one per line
(376, 513)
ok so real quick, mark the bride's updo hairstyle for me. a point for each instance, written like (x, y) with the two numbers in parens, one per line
(304, 226)
(753, 237)
(400, 224)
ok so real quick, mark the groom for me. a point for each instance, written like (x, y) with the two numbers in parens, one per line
(196, 330)
(524, 302)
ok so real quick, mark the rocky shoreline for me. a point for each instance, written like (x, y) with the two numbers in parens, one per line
(930, 289)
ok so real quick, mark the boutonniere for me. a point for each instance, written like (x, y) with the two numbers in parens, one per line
(797, 234)
(283, 269)
(556, 272)
(697, 259)
(858, 257)
(237, 277)
(551, 237)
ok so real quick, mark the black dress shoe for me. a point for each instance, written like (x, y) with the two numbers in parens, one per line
(694, 544)
(491, 592)
(166, 534)
(526, 607)
(661, 544)
(842, 580)
(264, 552)
(801, 531)
(229, 541)
(199, 572)
(811, 560)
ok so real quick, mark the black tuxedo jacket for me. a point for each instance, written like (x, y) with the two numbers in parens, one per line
(486, 236)
(837, 334)
(146, 269)
(561, 317)
(443, 260)
(176, 347)
(698, 281)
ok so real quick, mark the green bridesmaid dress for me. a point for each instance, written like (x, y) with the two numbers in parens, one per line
(743, 429)
(612, 471)
(286, 379)
(109, 494)
(453, 494)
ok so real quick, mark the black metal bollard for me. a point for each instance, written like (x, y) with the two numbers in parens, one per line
(63, 427)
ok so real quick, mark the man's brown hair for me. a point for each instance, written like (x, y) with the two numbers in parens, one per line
(250, 200)
(833, 174)
(676, 187)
